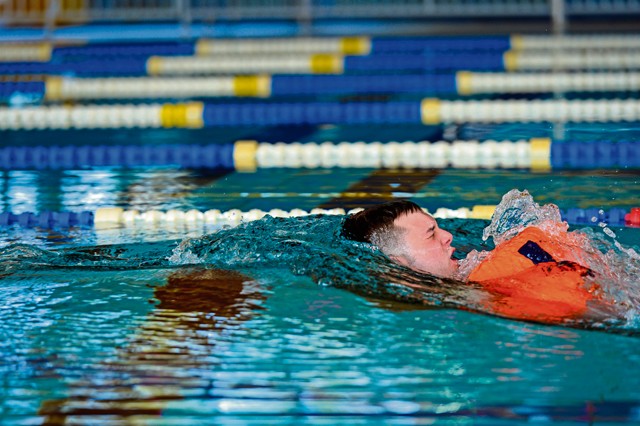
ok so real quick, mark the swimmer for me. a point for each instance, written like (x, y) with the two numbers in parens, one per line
(531, 276)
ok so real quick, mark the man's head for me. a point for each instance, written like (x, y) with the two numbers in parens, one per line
(407, 235)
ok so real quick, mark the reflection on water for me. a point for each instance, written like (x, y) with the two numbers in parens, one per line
(167, 188)
(165, 357)
(238, 350)
(88, 190)
(216, 346)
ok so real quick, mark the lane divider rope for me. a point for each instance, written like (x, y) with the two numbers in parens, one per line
(538, 154)
(464, 83)
(329, 63)
(428, 111)
(115, 216)
(355, 45)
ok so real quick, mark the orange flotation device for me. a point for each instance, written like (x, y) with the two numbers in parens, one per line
(529, 280)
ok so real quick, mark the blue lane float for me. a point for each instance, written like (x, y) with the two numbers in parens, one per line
(47, 220)
(70, 157)
(62, 53)
(593, 216)
(22, 91)
(595, 155)
(292, 85)
(420, 44)
(316, 113)
(86, 67)
(425, 62)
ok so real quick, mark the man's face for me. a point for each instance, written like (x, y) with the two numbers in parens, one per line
(427, 246)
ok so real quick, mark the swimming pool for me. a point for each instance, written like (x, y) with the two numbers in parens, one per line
(112, 325)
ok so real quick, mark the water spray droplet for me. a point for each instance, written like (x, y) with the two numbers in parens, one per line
(609, 232)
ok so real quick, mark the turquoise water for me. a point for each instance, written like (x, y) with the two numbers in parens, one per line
(111, 326)
(169, 188)
(281, 321)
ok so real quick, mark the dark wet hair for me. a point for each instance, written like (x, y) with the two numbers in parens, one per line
(362, 225)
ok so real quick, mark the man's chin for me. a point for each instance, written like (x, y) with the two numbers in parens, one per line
(454, 268)
(450, 272)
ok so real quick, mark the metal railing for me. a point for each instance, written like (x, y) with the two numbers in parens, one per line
(54, 12)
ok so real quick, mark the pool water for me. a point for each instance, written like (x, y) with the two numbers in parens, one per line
(283, 322)
(333, 358)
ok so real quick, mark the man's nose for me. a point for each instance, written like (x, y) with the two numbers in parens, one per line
(445, 237)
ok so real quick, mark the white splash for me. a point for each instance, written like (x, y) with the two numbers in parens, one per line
(182, 255)
(516, 211)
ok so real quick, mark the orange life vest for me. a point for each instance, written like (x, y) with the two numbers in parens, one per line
(529, 279)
